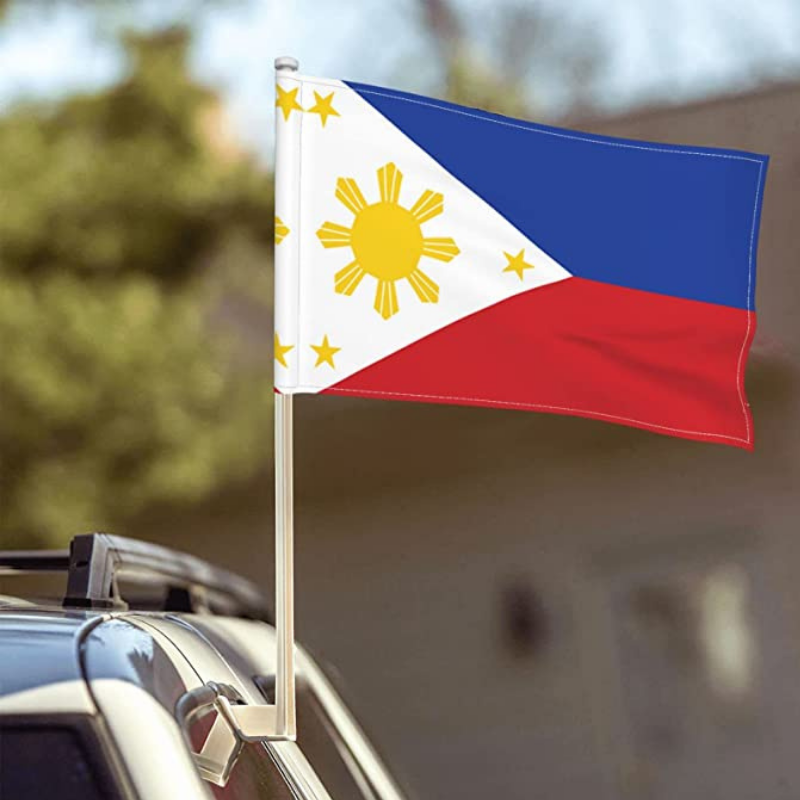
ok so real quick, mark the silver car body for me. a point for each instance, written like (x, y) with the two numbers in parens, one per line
(118, 669)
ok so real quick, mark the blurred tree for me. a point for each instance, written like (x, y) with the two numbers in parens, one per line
(122, 381)
(524, 45)
(467, 79)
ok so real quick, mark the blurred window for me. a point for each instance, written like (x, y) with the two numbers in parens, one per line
(689, 658)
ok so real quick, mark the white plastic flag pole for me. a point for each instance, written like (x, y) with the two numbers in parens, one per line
(286, 721)
(284, 568)
(279, 721)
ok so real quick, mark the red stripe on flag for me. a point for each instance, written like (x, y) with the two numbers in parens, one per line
(587, 349)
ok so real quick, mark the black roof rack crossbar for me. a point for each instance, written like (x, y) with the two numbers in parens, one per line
(31, 561)
(97, 559)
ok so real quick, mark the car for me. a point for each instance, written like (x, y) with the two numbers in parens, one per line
(120, 690)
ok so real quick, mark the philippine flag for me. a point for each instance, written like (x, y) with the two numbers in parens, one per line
(431, 252)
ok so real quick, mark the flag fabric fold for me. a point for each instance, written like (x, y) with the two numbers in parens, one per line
(431, 252)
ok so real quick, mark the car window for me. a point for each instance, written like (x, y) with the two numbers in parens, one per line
(59, 761)
(255, 775)
(317, 737)
(326, 752)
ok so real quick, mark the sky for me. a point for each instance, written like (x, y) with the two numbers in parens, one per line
(654, 50)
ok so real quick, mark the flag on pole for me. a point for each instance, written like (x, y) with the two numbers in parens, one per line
(436, 253)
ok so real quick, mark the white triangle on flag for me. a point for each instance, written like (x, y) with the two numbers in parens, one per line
(495, 261)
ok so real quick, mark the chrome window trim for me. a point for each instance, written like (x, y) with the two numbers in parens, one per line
(298, 773)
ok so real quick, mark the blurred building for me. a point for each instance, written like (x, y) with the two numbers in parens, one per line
(526, 605)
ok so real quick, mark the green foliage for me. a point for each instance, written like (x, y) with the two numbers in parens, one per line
(121, 382)
(470, 83)
(124, 181)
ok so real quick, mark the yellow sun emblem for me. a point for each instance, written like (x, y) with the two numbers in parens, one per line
(387, 240)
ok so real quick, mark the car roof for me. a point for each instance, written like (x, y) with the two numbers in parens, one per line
(49, 642)
(114, 664)
(47, 645)
(39, 646)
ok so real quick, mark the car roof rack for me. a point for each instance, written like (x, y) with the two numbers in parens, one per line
(95, 561)
(33, 561)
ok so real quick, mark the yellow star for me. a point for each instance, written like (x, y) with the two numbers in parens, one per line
(281, 350)
(281, 230)
(517, 263)
(323, 107)
(287, 101)
(325, 352)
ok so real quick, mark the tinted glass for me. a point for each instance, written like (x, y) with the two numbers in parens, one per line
(326, 752)
(255, 775)
(50, 762)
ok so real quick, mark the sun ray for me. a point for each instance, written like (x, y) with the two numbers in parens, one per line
(347, 279)
(442, 248)
(429, 205)
(389, 180)
(426, 289)
(386, 299)
(333, 235)
(349, 195)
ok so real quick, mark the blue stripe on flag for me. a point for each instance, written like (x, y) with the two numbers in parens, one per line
(677, 220)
